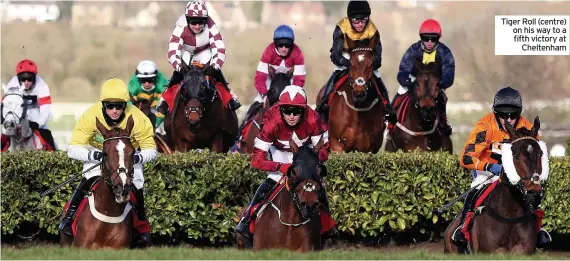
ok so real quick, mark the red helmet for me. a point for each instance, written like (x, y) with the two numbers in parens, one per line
(293, 95)
(430, 26)
(26, 66)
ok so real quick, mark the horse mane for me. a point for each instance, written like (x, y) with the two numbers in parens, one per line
(304, 157)
(192, 80)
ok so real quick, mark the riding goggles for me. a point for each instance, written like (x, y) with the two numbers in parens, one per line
(195, 21)
(279, 43)
(295, 110)
(356, 20)
(114, 105)
(507, 115)
(430, 38)
(143, 80)
(30, 77)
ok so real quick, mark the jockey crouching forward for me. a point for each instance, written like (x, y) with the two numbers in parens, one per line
(147, 83)
(481, 153)
(112, 111)
(198, 34)
(37, 96)
(427, 49)
(357, 26)
(290, 118)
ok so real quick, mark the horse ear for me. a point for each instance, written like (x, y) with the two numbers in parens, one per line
(510, 129)
(290, 72)
(319, 145)
(130, 124)
(293, 145)
(101, 128)
(372, 42)
(271, 72)
(535, 127)
(349, 42)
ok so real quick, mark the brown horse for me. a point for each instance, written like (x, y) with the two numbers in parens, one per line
(356, 115)
(505, 222)
(279, 81)
(418, 120)
(107, 220)
(291, 218)
(145, 106)
(199, 118)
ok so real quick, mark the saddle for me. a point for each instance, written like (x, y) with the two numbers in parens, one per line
(327, 223)
(479, 201)
(140, 226)
(401, 104)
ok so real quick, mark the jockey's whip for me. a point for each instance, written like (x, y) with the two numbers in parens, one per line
(49, 191)
(446, 206)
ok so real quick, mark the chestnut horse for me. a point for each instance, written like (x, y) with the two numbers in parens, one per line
(418, 120)
(356, 115)
(107, 220)
(506, 223)
(144, 105)
(199, 118)
(279, 81)
(290, 220)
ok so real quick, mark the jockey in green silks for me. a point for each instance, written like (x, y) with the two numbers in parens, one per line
(148, 83)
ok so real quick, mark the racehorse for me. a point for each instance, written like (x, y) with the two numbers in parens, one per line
(16, 125)
(106, 220)
(418, 120)
(199, 119)
(145, 106)
(251, 128)
(290, 217)
(356, 115)
(504, 221)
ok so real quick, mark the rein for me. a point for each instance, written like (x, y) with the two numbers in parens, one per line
(107, 178)
(295, 199)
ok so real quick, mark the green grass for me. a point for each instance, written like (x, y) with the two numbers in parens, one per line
(231, 253)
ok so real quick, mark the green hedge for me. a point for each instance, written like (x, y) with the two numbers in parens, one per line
(198, 195)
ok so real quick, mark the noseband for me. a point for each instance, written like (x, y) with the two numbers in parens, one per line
(203, 101)
(360, 81)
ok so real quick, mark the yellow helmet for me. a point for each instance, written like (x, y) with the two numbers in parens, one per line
(115, 90)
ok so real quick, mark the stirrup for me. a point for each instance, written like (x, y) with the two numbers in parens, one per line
(456, 232)
(544, 232)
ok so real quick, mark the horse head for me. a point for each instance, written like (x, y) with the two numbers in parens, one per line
(304, 178)
(117, 168)
(14, 109)
(279, 80)
(361, 67)
(198, 93)
(426, 90)
(143, 104)
(525, 158)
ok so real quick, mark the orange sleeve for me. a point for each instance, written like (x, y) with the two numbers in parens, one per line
(478, 142)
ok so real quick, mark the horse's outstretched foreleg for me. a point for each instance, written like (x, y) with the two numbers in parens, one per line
(218, 144)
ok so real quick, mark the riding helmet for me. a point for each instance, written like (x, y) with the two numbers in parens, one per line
(507, 100)
(358, 9)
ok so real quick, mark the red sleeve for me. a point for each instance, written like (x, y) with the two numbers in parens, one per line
(263, 70)
(318, 130)
(262, 143)
(298, 67)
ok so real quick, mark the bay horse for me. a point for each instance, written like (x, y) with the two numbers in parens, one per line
(106, 220)
(17, 135)
(504, 221)
(199, 118)
(356, 115)
(251, 128)
(290, 219)
(418, 120)
(144, 105)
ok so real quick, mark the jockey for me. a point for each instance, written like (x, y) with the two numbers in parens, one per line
(427, 49)
(290, 117)
(36, 94)
(282, 54)
(111, 111)
(358, 26)
(198, 34)
(482, 156)
(147, 83)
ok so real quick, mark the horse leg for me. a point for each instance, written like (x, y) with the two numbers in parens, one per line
(217, 144)
(336, 145)
(448, 246)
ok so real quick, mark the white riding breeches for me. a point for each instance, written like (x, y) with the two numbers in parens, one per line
(138, 178)
(479, 180)
(278, 156)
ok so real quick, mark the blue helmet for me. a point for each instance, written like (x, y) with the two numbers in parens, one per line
(284, 32)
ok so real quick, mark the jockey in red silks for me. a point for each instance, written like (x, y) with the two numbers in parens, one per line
(37, 96)
(290, 118)
(198, 34)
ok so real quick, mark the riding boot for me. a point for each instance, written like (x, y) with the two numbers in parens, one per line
(161, 111)
(260, 195)
(333, 232)
(176, 78)
(458, 237)
(141, 215)
(323, 107)
(78, 195)
(441, 107)
(234, 103)
(390, 113)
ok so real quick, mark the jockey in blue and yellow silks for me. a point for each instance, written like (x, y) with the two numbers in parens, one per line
(428, 48)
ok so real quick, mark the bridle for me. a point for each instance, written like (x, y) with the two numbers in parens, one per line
(535, 176)
(361, 81)
(20, 118)
(107, 178)
(203, 100)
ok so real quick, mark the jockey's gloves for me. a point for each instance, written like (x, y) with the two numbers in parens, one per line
(95, 155)
(147, 155)
(494, 168)
(137, 158)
